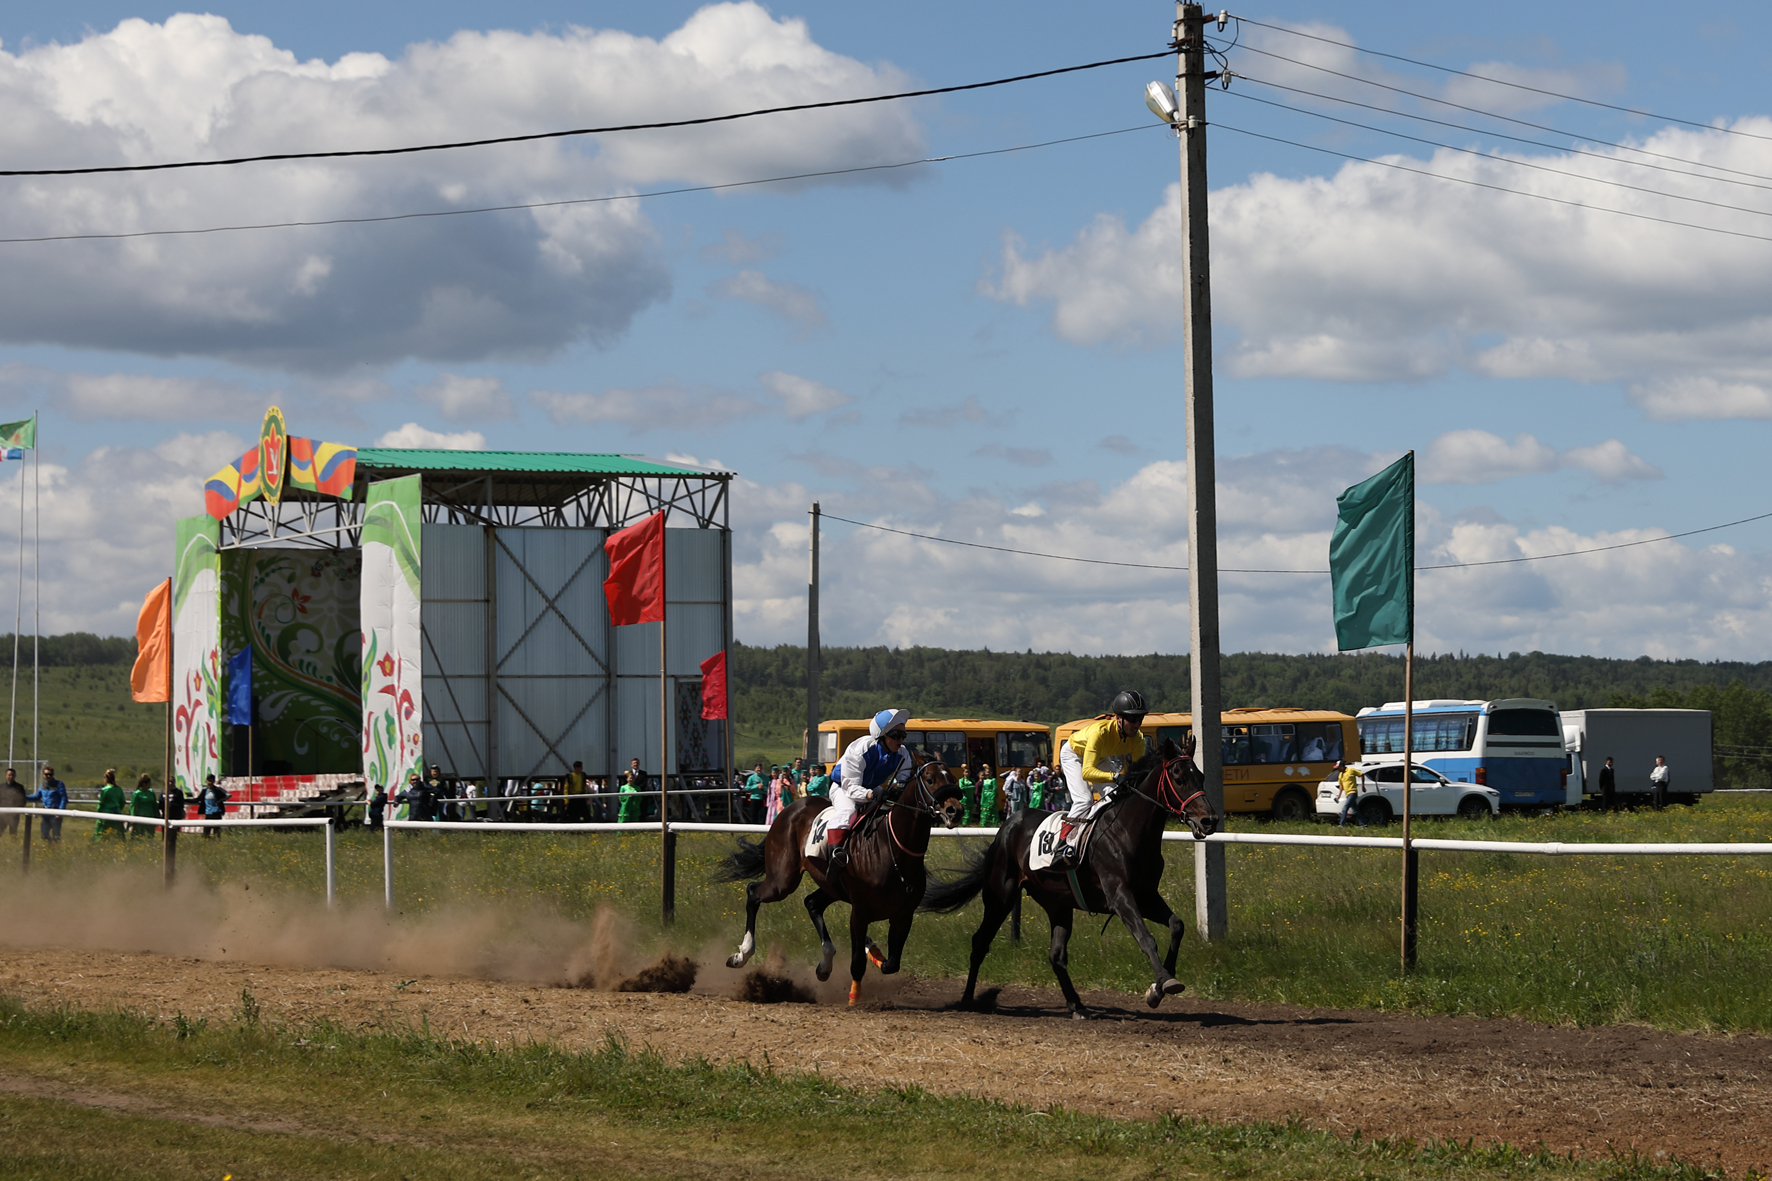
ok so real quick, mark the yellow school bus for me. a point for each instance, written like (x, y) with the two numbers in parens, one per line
(1273, 757)
(956, 742)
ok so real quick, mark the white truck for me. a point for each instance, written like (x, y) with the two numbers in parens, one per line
(1633, 737)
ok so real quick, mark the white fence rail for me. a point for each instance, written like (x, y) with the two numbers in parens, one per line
(189, 825)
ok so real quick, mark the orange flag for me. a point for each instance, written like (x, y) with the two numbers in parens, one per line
(151, 679)
(635, 586)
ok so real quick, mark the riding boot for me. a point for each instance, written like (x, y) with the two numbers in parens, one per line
(838, 857)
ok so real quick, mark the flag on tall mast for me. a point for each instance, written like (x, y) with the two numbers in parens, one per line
(15, 439)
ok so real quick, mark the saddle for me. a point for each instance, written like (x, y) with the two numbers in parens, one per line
(1046, 849)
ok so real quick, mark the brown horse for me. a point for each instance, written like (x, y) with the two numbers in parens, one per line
(884, 879)
(1119, 875)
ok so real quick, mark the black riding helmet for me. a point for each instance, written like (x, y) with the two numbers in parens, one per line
(1129, 704)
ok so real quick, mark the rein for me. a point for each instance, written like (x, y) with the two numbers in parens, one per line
(922, 783)
(1167, 791)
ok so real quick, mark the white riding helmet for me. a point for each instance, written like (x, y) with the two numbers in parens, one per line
(888, 720)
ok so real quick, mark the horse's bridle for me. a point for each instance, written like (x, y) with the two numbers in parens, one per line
(927, 806)
(1167, 790)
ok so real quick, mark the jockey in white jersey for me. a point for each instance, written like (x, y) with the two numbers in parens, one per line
(868, 765)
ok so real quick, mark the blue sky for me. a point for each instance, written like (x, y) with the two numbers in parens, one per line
(980, 349)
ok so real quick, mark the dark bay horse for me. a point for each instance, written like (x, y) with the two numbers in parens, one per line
(885, 878)
(1120, 872)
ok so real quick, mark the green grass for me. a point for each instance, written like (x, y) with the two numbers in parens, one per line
(1676, 942)
(288, 1102)
(88, 723)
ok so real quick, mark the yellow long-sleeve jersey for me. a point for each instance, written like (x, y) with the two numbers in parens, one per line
(1100, 740)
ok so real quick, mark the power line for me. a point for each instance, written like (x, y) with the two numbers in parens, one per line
(1574, 98)
(1666, 221)
(1004, 549)
(1428, 98)
(577, 131)
(1617, 184)
(735, 184)
(1520, 139)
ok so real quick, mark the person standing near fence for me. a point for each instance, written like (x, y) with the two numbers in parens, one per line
(12, 795)
(988, 814)
(1015, 792)
(968, 797)
(375, 809)
(1349, 781)
(1037, 789)
(143, 803)
(212, 801)
(754, 787)
(1659, 780)
(174, 804)
(110, 801)
(53, 794)
(578, 803)
(1608, 786)
(819, 785)
(628, 812)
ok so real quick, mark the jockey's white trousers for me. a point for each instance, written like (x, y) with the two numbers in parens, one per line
(844, 801)
(1082, 793)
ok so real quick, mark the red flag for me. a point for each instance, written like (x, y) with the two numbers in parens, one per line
(635, 586)
(713, 687)
(151, 678)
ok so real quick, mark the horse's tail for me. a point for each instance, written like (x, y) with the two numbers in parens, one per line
(946, 895)
(743, 863)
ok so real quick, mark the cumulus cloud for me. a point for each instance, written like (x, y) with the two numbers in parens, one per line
(90, 396)
(518, 284)
(1276, 512)
(796, 304)
(414, 435)
(1478, 457)
(649, 408)
(1019, 456)
(1376, 274)
(468, 399)
(801, 397)
(734, 247)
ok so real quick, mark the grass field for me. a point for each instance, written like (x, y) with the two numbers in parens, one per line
(87, 723)
(323, 1102)
(1676, 942)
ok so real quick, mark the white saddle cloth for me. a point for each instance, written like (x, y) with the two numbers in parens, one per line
(815, 837)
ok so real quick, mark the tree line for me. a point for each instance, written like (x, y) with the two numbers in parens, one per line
(769, 686)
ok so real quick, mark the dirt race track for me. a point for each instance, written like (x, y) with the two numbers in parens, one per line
(1703, 1099)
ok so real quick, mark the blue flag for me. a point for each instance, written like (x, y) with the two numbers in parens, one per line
(240, 688)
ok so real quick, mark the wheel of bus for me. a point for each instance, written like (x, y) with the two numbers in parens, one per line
(1375, 811)
(1473, 808)
(1292, 804)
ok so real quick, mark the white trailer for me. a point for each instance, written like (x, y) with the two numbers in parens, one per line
(1633, 737)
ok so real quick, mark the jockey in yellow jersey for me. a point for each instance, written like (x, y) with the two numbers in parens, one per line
(1098, 753)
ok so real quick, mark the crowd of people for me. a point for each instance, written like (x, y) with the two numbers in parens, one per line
(988, 799)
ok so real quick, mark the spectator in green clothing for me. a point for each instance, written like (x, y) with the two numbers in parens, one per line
(820, 783)
(988, 813)
(753, 790)
(628, 811)
(968, 798)
(110, 800)
(143, 803)
(1037, 788)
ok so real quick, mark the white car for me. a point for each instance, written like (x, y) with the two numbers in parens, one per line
(1432, 794)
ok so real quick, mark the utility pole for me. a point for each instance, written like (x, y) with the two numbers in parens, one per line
(812, 653)
(1210, 910)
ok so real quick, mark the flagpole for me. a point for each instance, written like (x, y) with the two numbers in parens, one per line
(36, 585)
(18, 615)
(664, 749)
(1411, 858)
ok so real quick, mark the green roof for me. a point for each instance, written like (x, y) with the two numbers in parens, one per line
(430, 459)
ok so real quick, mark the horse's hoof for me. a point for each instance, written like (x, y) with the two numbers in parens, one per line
(1153, 996)
(1079, 1014)
(1173, 987)
(737, 959)
(823, 971)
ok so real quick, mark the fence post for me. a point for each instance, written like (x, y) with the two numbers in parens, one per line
(330, 862)
(387, 865)
(26, 867)
(670, 874)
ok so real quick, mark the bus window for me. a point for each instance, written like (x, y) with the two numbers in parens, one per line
(1274, 743)
(1319, 742)
(947, 746)
(827, 747)
(1433, 732)
(1032, 749)
(1178, 733)
(1236, 746)
(1525, 723)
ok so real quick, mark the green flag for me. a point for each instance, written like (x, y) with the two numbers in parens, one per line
(19, 434)
(1372, 559)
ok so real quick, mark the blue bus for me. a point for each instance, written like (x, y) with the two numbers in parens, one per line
(1514, 745)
